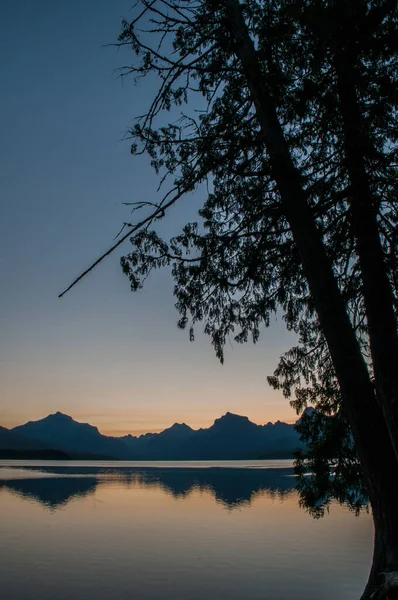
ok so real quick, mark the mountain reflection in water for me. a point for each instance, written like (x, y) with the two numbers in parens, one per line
(54, 487)
(158, 532)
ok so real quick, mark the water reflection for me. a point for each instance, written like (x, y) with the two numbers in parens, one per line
(51, 492)
(95, 533)
(231, 487)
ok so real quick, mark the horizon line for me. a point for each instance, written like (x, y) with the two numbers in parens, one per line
(153, 432)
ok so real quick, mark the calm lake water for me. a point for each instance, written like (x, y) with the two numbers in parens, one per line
(171, 531)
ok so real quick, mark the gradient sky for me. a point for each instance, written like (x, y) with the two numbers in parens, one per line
(101, 353)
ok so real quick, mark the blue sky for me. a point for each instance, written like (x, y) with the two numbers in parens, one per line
(101, 353)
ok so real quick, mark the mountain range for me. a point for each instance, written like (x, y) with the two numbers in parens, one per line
(231, 437)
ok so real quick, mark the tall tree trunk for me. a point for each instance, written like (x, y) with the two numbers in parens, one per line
(384, 499)
(378, 297)
(366, 419)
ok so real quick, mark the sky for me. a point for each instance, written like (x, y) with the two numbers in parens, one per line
(100, 354)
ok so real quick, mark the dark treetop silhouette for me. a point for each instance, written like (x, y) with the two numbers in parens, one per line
(296, 139)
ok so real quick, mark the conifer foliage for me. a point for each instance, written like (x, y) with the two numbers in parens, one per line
(284, 115)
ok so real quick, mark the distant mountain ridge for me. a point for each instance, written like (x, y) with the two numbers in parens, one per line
(61, 432)
(11, 440)
(231, 437)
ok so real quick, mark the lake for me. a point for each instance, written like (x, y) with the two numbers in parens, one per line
(170, 531)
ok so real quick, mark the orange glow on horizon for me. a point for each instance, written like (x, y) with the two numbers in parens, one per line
(137, 432)
(116, 426)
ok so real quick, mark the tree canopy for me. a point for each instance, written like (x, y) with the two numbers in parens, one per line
(286, 114)
(239, 263)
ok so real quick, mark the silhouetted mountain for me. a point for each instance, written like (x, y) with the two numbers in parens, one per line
(10, 440)
(235, 437)
(64, 433)
(166, 445)
(178, 431)
(230, 437)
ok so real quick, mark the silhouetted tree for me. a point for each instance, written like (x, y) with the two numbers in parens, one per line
(293, 128)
